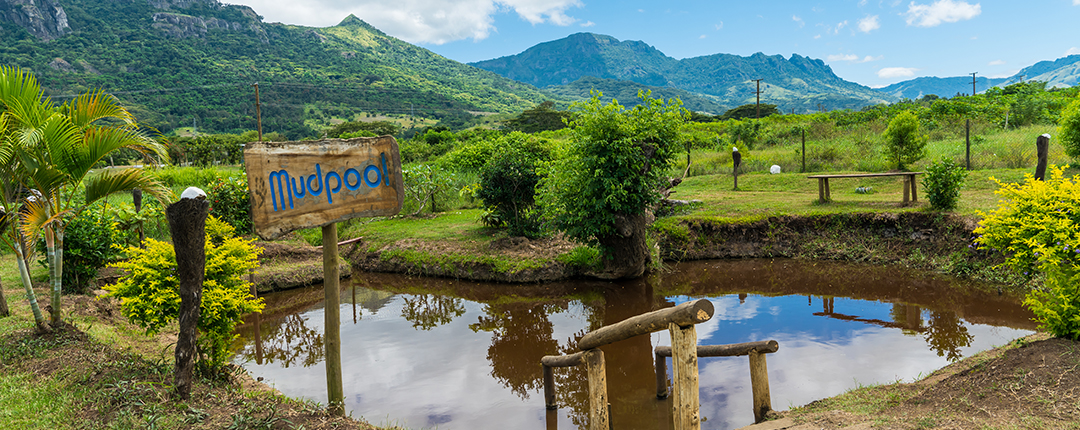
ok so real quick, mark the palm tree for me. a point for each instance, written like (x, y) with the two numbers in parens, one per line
(55, 149)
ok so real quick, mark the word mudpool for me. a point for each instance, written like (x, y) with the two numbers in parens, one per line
(285, 188)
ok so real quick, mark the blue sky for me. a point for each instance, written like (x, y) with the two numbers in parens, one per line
(874, 43)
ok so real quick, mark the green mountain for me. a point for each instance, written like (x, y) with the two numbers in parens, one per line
(798, 83)
(185, 62)
(1063, 72)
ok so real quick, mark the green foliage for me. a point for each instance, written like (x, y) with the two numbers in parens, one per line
(88, 246)
(149, 288)
(1057, 305)
(612, 166)
(349, 129)
(751, 111)
(942, 183)
(1069, 130)
(543, 117)
(508, 187)
(903, 143)
(427, 184)
(230, 202)
(207, 150)
(151, 219)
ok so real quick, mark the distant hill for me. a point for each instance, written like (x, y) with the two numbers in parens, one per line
(798, 83)
(185, 62)
(1063, 72)
(626, 93)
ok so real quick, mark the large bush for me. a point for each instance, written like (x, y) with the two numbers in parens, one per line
(88, 246)
(1037, 228)
(943, 181)
(1069, 130)
(231, 203)
(149, 288)
(508, 188)
(903, 142)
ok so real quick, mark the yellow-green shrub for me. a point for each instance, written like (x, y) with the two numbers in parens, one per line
(149, 288)
(1037, 228)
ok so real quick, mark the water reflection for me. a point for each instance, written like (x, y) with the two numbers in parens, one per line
(468, 357)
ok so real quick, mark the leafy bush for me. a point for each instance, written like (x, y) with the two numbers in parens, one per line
(508, 189)
(427, 184)
(149, 288)
(943, 181)
(903, 143)
(231, 203)
(151, 219)
(1036, 228)
(88, 246)
(1069, 130)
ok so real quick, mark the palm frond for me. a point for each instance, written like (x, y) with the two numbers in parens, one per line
(92, 106)
(36, 215)
(112, 181)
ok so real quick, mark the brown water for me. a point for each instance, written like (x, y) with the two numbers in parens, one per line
(434, 353)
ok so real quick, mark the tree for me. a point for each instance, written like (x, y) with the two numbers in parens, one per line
(602, 190)
(380, 128)
(54, 154)
(903, 142)
(543, 117)
(1069, 130)
(750, 111)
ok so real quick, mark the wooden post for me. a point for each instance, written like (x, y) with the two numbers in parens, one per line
(549, 388)
(736, 160)
(1042, 147)
(4, 311)
(187, 225)
(258, 111)
(598, 398)
(759, 382)
(661, 376)
(688, 313)
(967, 140)
(335, 394)
(828, 193)
(907, 188)
(804, 150)
(821, 189)
(136, 200)
(914, 189)
(684, 364)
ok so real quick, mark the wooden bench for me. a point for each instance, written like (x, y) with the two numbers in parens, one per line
(909, 183)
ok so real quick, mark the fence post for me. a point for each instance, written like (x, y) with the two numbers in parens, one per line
(335, 393)
(684, 364)
(598, 398)
(187, 224)
(1042, 147)
(759, 384)
(661, 376)
(967, 140)
(803, 151)
(549, 387)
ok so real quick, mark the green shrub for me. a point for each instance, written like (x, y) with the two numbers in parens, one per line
(149, 288)
(88, 246)
(427, 184)
(903, 143)
(508, 190)
(1037, 228)
(1069, 129)
(943, 181)
(231, 203)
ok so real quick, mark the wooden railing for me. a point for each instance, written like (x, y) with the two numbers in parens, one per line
(680, 321)
(759, 373)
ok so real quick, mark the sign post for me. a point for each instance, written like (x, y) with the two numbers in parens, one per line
(296, 185)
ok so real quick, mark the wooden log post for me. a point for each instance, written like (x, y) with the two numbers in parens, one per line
(907, 188)
(598, 397)
(1042, 148)
(136, 200)
(335, 393)
(759, 383)
(549, 363)
(684, 363)
(187, 225)
(661, 375)
(688, 313)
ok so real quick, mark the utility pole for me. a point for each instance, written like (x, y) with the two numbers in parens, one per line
(258, 110)
(973, 83)
(758, 93)
(1021, 79)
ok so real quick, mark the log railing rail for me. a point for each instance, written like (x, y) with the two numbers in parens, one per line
(759, 374)
(680, 321)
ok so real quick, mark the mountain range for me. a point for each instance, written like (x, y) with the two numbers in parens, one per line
(797, 83)
(1062, 72)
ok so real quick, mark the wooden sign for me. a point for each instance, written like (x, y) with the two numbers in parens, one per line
(296, 185)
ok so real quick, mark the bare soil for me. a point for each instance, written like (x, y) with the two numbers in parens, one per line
(1032, 383)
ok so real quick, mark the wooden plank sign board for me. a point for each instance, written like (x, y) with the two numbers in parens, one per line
(306, 184)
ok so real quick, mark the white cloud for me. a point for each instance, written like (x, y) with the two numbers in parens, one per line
(1074, 50)
(839, 26)
(941, 11)
(868, 24)
(702, 36)
(996, 63)
(897, 72)
(1076, 2)
(588, 24)
(842, 57)
(853, 58)
(800, 21)
(418, 21)
(719, 26)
